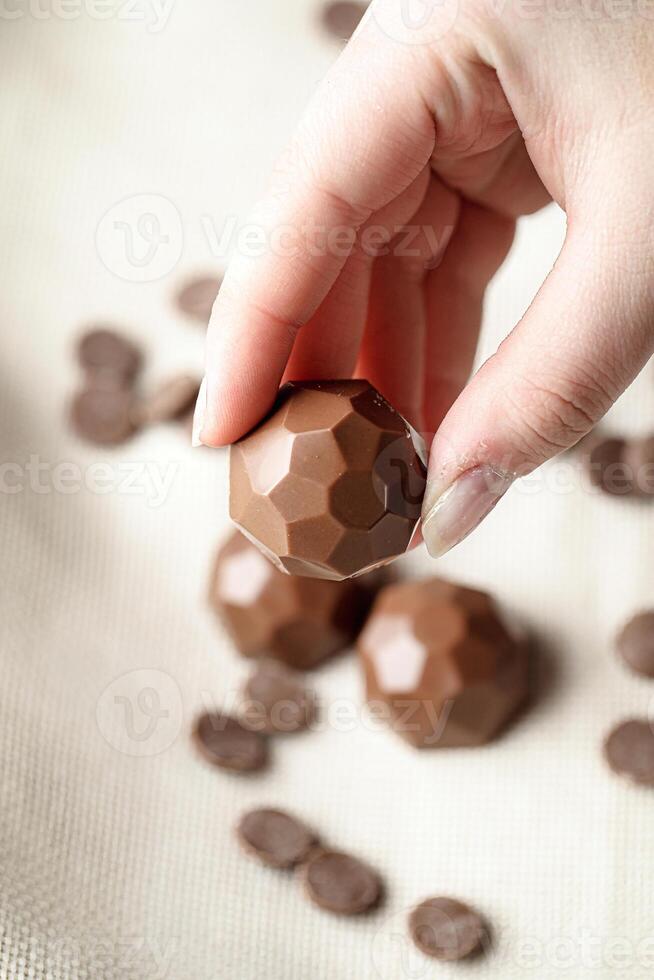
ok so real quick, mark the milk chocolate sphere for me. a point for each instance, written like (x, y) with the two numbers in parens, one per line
(442, 665)
(330, 484)
(298, 621)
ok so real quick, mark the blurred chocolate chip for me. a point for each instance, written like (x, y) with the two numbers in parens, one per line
(635, 643)
(606, 466)
(108, 358)
(226, 743)
(638, 458)
(276, 699)
(103, 415)
(276, 838)
(172, 400)
(629, 751)
(341, 883)
(340, 18)
(447, 929)
(197, 297)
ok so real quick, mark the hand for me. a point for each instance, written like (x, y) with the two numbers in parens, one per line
(436, 148)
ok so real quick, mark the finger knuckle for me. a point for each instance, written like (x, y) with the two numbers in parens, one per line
(552, 414)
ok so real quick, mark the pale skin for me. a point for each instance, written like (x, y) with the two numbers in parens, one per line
(454, 129)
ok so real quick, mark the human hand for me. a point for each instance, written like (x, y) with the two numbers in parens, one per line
(447, 134)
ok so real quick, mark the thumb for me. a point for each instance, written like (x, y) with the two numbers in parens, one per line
(583, 340)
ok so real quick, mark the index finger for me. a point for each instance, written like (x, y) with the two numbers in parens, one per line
(364, 139)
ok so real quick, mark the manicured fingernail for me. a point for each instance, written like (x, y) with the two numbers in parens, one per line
(198, 415)
(451, 514)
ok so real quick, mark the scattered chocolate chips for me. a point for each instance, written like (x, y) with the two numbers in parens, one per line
(103, 412)
(629, 751)
(340, 18)
(197, 297)
(635, 643)
(341, 883)
(227, 743)
(108, 358)
(172, 400)
(103, 415)
(276, 700)
(447, 929)
(276, 838)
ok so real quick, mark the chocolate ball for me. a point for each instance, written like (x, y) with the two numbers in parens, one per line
(440, 665)
(330, 484)
(299, 621)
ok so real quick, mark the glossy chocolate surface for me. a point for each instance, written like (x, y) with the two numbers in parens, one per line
(440, 663)
(330, 484)
(299, 621)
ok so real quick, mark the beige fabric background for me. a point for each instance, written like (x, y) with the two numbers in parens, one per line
(116, 853)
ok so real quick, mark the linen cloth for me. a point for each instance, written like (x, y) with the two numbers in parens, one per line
(117, 855)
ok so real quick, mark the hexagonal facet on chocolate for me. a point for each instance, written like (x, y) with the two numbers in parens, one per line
(299, 621)
(440, 664)
(330, 484)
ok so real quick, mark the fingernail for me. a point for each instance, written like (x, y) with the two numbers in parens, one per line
(451, 514)
(198, 414)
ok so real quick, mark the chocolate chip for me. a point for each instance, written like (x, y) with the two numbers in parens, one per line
(277, 700)
(170, 401)
(197, 297)
(635, 643)
(606, 466)
(108, 358)
(225, 742)
(639, 461)
(275, 837)
(341, 883)
(629, 751)
(340, 18)
(103, 415)
(447, 929)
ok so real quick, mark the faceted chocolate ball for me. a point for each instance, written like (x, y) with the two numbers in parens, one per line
(330, 484)
(299, 621)
(440, 664)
